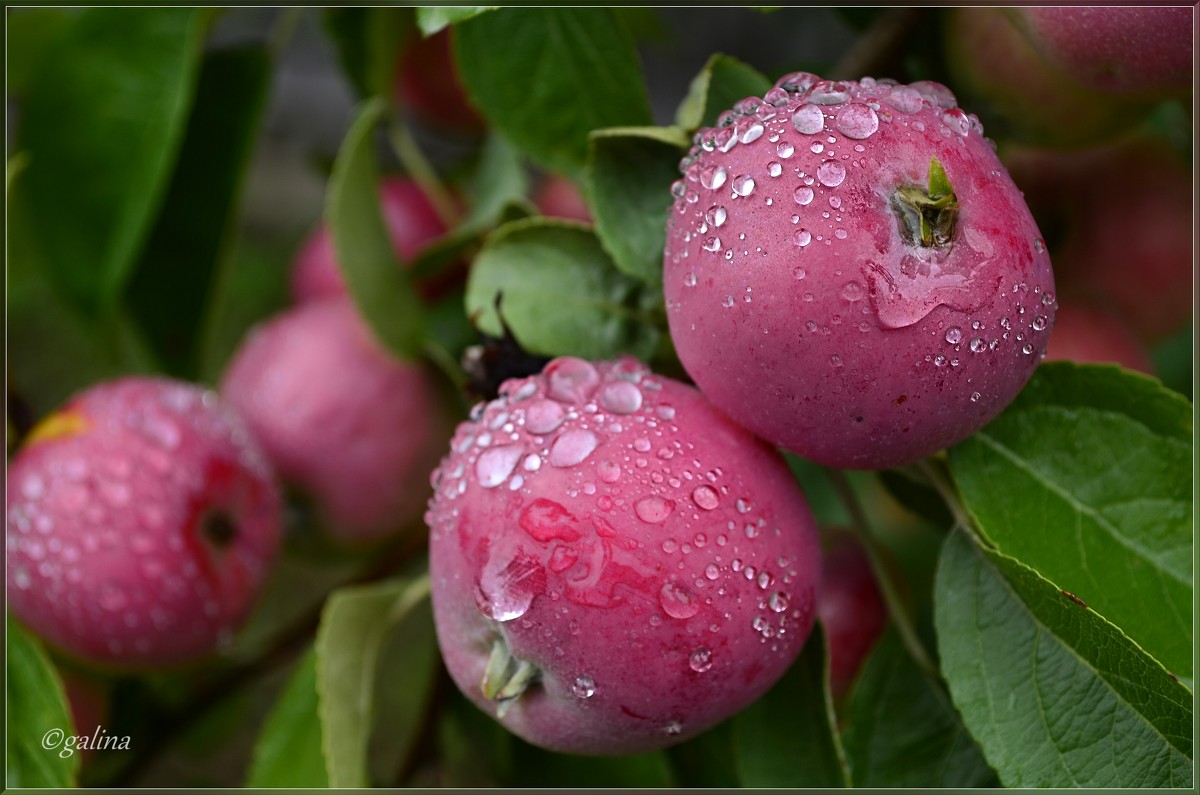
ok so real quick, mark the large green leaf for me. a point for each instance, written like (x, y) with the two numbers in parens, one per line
(288, 752)
(431, 19)
(902, 730)
(546, 77)
(381, 289)
(30, 33)
(173, 282)
(629, 176)
(788, 738)
(39, 723)
(723, 81)
(102, 122)
(358, 625)
(1087, 477)
(500, 179)
(1054, 694)
(369, 41)
(560, 292)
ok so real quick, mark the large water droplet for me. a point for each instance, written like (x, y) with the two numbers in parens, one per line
(705, 497)
(774, 169)
(778, 602)
(508, 584)
(831, 173)
(1039, 323)
(743, 184)
(803, 195)
(495, 465)
(802, 238)
(583, 687)
(572, 447)
(701, 659)
(653, 509)
(571, 380)
(904, 99)
(544, 416)
(857, 121)
(953, 335)
(711, 243)
(785, 150)
(621, 397)
(809, 119)
(677, 601)
(713, 177)
(852, 291)
(716, 216)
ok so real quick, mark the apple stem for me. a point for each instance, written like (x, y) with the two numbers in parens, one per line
(506, 677)
(891, 596)
(927, 215)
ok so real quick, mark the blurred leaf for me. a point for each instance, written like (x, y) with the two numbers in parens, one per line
(38, 716)
(560, 292)
(902, 730)
(174, 279)
(534, 767)
(788, 738)
(707, 760)
(561, 73)
(1174, 361)
(431, 19)
(102, 122)
(499, 179)
(723, 81)
(822, 496)
(457, 245)
(381, 289)
(1087, 477)
(475, 750)
(1054, 694)
(288, 752)
(919, 497)
(355, 629)
(629, 176)
(30, 33)
(369, 42)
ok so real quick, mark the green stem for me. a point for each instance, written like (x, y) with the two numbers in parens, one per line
(423, 173)
(891, 596)
(937, 477)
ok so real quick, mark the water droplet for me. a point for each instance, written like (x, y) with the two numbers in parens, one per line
(727, 301)
(835, 360)
(544, 416)
(584, 687)
(653, 509)
(572, 447)
(495, 465)
(571, 380)
(508, 584)
(689, 279)
(1027, 349)
(802, 238)
(978, 345)
(831, 173)
(829, 92)
(752, 133)
(621, 397)
(956, 119)
(743, 506)
(701, 660)
(1047, 298)
(711, 571)
(778, 602)
(774, 169)
(785, 150)
(803, 195)
(798, 273)
(677, 601)
(715, 215)
(852, 291)
(609, 471)
(711, 243)
(808, 119)
(705, 497)
(1039, 323)
(533, 462)
(743, 185)
(857, 121)
(713, 177)
(953, 335)
(673, 728)
(840, 233)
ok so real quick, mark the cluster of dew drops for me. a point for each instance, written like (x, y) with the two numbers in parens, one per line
(567, 420)
(818, 110)
(98, 491)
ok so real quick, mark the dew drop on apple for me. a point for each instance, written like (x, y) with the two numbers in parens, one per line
(677, 601)
(808, 119)
(712, 243)
(1039, 323)
(778, 602)
(802, 238)
(653, 509)
(785, 150)
(621, 397)
(743, 185)
(953, 335)
(583, 687)
(544, 416)
(572, 447)
(857, 121)
(705, 497)
(701, 659)
(495, 465)
(716, 216)
(831, 173)
(803, 195)
(713, 177)
(712, 571)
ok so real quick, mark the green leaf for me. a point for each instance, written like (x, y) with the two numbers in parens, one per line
(708, 759)
(356, 626)
(381, 289)
(288, 752)
(30, 33)
(1174, 360)
(939, 183)
(38, 717)
(1054, 694)
(431, 19)
(499, 179)
(629, 176)
(788, 738)
(560, 292)
(174, 279)
(903, 731)
(369, 42)
(1087, 477)
(723, 81)
(474, 749)
(102, 122)
(561, 73)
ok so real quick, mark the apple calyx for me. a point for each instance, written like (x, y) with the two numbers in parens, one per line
(927, 216)
(506, 677)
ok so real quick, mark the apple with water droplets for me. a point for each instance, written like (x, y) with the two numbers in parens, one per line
(142, 519)
(851, 274)
(616, 566)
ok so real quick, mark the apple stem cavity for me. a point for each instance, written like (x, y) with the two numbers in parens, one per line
(506, 677)
(927, 215)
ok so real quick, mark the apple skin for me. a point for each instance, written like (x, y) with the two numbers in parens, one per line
(142, 521)
(799, 302)
(342, 420)
(850, 607)
(411, 222)
(655, 563)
